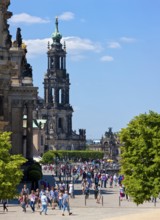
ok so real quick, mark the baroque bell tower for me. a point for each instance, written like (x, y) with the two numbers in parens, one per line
(58, 110)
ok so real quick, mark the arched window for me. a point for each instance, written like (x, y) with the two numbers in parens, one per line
(52, 63)
(53, 95)
(60, 96)
(60, 124)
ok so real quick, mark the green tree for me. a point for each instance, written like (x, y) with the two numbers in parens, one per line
(10, 172)
(140, 157)
(34, 174)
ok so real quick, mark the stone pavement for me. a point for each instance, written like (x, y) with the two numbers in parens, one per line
(111, 209)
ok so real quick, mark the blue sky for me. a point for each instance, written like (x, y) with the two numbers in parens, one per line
(113, 55)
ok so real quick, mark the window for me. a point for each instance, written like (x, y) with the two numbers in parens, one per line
(53, 96)
(60, 122)
(60, 96)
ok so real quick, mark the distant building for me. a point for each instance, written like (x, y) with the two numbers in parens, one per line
(111, 145)
(94, 144)
(97, 141)
(38, 136)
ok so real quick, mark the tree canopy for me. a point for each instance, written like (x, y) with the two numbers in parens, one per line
(10, 172)
(140, 157)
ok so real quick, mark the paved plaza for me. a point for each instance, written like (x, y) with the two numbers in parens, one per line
(109, 209)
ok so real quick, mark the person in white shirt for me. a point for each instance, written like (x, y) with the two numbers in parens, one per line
(71, 190)
(44, 204)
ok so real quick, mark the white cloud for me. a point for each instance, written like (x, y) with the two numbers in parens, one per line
(78, 44)
(107, 59)
(66, 16)
(76, 47)
(36, 47)
(114, 45)
(127, 40)
(27, 19)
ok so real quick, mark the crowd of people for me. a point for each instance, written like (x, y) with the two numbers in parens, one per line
(40, 199)
(92, 177)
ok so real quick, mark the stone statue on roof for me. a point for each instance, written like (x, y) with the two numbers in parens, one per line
(27, 71)
(5, 37)
(19, 37)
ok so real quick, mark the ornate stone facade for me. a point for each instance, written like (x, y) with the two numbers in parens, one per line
(57, 109)
(17, 95)
(110, 144)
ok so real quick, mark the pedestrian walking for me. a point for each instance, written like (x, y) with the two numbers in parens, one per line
(44, 204)
(71, 190)
(95, 191)
(86, 191)
(4, 202)
(24, 201)
(32, 199)
(25, 191)
(99, 194)
(121, 192)
(65, 203)
(38, 199)
(60, 195)
(47, 192)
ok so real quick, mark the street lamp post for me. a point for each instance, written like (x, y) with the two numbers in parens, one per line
(72, 182)
(56, 165)
(66, 171)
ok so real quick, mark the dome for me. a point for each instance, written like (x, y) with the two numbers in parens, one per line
(56, 36)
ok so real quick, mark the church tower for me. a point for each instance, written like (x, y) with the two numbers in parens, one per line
(58, 110)
(56, 85)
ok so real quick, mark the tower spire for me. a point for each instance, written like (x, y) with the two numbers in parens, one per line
(56, 36)
(56, 25)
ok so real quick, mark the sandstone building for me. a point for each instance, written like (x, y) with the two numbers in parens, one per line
(18, 96)
(17, 93)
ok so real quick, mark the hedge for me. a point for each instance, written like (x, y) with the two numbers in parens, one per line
(51, 156)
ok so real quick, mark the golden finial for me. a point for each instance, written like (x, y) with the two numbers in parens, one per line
(23, 46)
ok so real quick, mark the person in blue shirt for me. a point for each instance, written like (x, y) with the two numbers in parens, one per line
(65, 203)
(44, 202)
